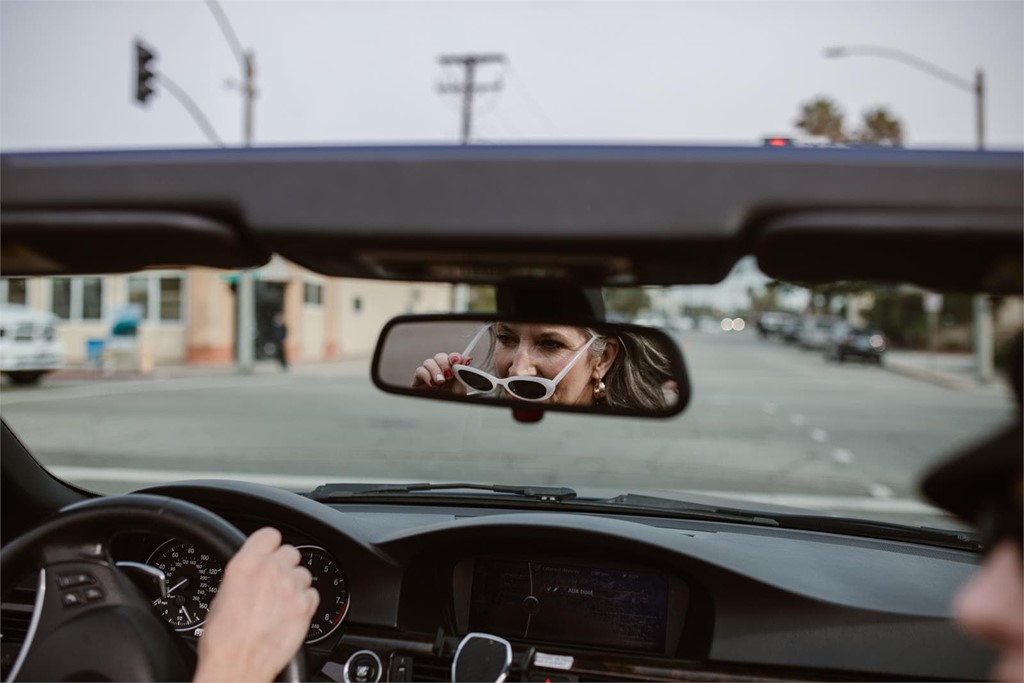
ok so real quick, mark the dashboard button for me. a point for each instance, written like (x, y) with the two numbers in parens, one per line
(363, 667)
(72, 580)
(72, 599)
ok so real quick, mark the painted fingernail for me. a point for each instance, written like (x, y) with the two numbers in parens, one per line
(447, 374)
(439, 378)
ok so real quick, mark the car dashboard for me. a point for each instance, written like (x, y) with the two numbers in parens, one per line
(584, 596)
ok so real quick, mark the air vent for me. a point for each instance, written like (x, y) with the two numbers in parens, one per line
(15, 616)
(431, 669)
(16, 612)
(14, 620)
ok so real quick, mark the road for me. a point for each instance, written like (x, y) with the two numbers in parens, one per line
(765, 419)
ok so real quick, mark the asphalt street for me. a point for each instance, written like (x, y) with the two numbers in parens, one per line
(765, 419)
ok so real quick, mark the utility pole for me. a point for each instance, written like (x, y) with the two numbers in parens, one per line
(246, 287)
(467, 88)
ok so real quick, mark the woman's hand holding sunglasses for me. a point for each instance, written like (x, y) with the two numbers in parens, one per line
(437, 373)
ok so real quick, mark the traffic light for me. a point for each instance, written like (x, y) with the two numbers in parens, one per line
(144, 74)
(778, 142)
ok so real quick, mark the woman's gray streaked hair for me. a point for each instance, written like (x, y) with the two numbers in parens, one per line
(636, 378)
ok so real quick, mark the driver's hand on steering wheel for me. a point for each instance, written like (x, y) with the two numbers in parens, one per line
(261, 613)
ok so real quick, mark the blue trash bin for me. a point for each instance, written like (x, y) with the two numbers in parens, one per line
(94, 352)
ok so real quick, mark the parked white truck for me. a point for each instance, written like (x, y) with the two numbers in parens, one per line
(29, 347)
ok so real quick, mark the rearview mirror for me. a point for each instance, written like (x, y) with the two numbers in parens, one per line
(602, 368)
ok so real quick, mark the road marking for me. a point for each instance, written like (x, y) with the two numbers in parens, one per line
(880, 490)
(137, 387)
(146, 476)
(819, 435)
(842, 456)
(797, 420)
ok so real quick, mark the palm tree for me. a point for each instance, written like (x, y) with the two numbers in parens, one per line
(880, 128)
(822, 118)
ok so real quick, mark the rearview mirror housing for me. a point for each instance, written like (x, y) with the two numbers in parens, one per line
(534, 364)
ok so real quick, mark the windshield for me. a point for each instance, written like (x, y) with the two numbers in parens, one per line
(830, 398)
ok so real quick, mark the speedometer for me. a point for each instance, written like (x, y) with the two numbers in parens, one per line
(193, 578)
(330, 584)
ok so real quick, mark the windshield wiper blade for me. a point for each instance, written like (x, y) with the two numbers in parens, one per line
(329, 493)
(851, 526)
(890, 531)
(638, 502)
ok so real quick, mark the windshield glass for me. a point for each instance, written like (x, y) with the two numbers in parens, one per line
(833, 398)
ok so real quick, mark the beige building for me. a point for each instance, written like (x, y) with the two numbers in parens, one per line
(188, 316)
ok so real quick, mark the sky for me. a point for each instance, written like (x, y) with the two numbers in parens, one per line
(334, 72)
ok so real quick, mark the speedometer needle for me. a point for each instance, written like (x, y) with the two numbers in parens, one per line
(177, 586)
(187, 615)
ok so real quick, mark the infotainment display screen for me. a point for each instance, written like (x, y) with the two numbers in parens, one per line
(594, 606)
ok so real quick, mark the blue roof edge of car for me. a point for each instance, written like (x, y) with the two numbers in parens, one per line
(568, 152)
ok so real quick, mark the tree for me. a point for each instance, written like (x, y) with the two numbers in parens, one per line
(628, 301)
(880, 128)
(822, 118)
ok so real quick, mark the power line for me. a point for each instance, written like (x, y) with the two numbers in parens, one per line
(530, 100)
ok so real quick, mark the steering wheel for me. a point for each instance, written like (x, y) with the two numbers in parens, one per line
(112, 632)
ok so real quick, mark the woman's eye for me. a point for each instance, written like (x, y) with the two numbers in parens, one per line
(551, 345)
(506, 339)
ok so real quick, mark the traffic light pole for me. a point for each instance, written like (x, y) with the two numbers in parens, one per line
(179, 94)
(246, 286)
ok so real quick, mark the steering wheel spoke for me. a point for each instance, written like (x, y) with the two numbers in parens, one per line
(87, 616)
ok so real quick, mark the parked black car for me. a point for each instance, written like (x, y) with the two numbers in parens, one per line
(866, 343)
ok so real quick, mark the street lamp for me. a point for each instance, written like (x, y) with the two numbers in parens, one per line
(245, 288)
(982, 314)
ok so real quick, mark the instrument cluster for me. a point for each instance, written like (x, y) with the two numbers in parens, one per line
(193, 577)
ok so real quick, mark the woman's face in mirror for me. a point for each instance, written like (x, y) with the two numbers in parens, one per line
(538, 350)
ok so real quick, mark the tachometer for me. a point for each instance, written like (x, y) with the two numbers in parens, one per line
(330, 584)
(193, 578)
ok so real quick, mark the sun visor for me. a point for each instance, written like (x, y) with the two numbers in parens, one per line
(65, 242)
(947, 250)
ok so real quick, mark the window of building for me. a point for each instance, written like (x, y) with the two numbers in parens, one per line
(138, 293)
(313, 294)
(92, 298)
(77, 298)
(60, 297)
(159, 295)
(14, 290)
(170, 298)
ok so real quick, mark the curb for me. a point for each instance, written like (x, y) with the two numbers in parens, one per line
(935, 377)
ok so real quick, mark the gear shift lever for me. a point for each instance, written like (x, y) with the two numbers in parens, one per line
(482, 657)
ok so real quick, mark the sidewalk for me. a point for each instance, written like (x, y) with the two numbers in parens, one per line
(356, 365)
(949, 370)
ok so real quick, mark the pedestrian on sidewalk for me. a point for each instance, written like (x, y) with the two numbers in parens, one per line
(280, 333)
